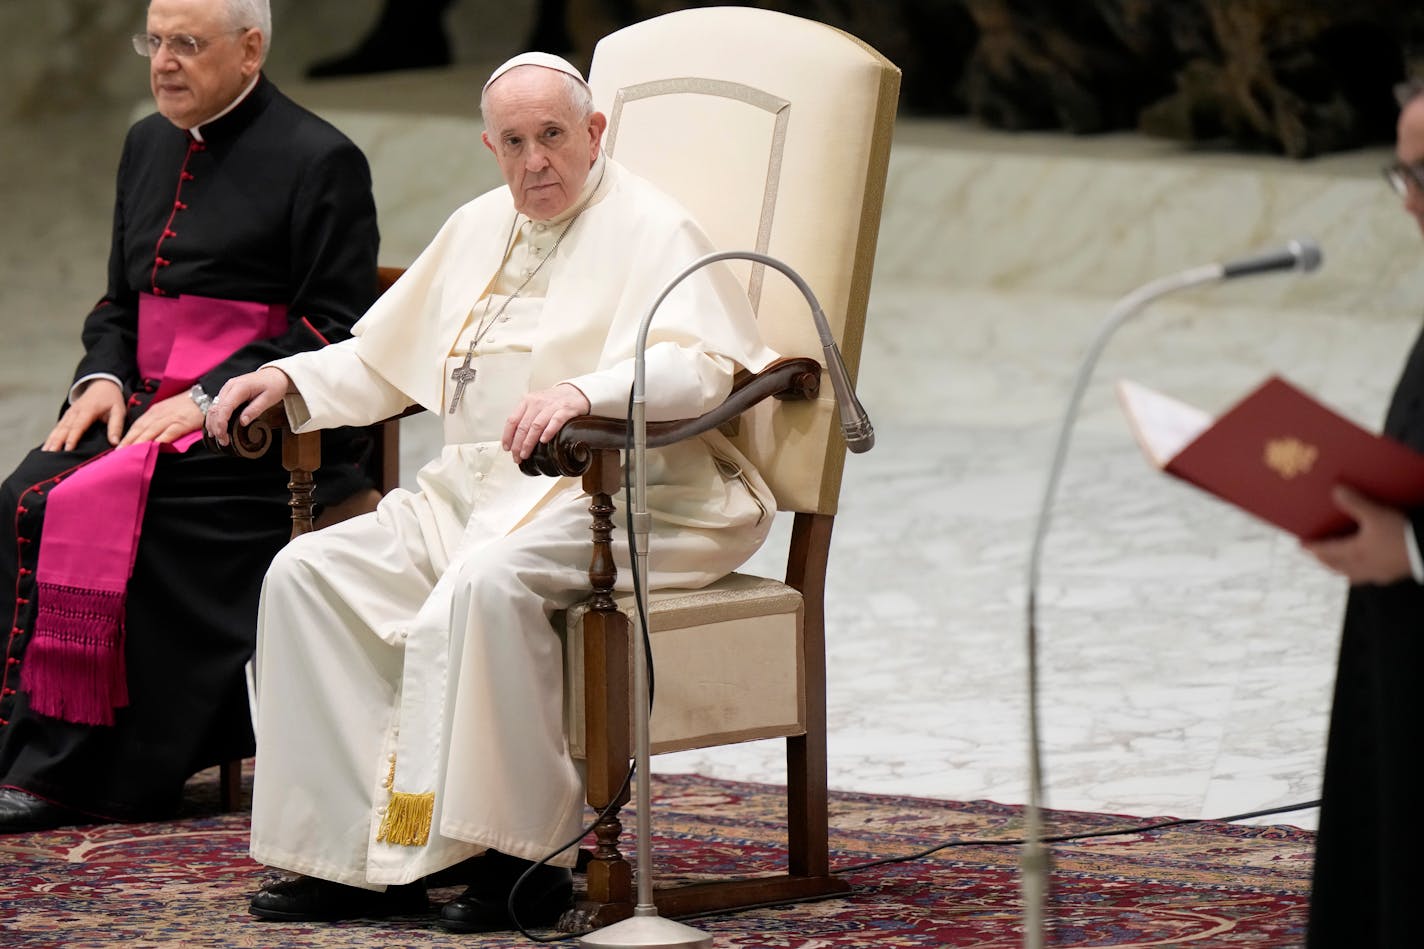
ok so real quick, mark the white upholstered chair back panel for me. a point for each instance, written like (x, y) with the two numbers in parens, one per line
(774, 132)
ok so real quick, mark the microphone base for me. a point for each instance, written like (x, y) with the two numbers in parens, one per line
(645, 932)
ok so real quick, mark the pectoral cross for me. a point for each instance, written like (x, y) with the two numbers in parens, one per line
(462, 376)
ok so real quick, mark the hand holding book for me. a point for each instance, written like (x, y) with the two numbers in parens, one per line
(1377, 551)
(1278, 454)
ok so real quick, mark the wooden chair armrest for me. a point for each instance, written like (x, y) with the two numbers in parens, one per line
(254, 441)
(250, 441)
(301, 455)
(570, 452)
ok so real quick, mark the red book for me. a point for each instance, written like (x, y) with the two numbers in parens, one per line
(1276, 454)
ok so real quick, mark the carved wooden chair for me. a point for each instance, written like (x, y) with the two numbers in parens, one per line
(775, 132)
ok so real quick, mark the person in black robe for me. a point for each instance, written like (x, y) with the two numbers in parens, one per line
(235, 192)
(1368, 874)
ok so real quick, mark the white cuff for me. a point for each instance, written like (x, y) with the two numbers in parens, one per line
(76, 390)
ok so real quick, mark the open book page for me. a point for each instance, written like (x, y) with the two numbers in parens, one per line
(1162, 425)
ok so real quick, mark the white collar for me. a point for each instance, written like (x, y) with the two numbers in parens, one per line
(585, 196)
(196, 130)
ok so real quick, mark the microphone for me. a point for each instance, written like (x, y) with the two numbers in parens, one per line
(1302, 254)
(646, 928)
(855, 424)
(859, 434)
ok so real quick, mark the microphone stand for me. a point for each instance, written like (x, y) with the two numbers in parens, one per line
(646, 928)
(1297, 255)
(1033, 861)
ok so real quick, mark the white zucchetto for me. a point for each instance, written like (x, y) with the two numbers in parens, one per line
(547, 60)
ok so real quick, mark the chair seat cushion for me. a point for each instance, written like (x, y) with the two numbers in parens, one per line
(726, 659)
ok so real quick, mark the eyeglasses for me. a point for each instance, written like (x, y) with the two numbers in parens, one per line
(1401, 176)
(179, 44)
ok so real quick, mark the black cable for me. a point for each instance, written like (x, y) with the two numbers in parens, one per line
(1001, 842)
(1060, 838)
(509, 902)
(1083, 835)
(647, 652)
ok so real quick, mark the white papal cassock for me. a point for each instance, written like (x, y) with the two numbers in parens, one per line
(409, 653)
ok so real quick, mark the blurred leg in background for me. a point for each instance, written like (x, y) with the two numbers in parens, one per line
(410, 34)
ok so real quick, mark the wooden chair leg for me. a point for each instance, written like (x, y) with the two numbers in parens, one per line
(606, 644)
(806, 770)
(609, 894)
(230, 784)
(808, 873)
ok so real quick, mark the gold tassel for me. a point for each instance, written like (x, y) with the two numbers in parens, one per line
(407, 819)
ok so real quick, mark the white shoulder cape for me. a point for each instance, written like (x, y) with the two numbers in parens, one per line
(614, 261)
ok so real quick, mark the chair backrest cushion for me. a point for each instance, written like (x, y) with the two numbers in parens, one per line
(774, 131)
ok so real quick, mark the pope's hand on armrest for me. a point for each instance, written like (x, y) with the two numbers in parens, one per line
(255, 392)
(539, 416)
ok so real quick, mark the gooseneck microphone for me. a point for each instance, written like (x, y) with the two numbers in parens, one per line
(1302, 255)
(855, 423)
(646, 929)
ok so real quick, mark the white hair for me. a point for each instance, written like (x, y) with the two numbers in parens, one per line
(249, 14)
(576, 92)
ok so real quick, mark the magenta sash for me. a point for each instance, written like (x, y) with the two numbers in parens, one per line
(74, 667)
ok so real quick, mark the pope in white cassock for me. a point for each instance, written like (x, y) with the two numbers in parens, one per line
(409, 679)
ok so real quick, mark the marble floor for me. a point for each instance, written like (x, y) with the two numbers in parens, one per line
(1187, 651)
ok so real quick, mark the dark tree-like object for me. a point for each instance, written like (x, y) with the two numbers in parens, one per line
(1299, 78)
(928, 39)
(1083, 66)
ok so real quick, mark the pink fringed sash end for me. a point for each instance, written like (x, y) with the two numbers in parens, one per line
(74, 667)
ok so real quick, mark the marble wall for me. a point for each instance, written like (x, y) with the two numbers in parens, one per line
(1099, 216)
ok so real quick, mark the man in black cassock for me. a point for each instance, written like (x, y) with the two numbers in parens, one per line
(1369, 876)
(231, 192)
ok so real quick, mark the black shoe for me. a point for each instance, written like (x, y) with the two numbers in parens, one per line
(309, 899)
(22, 812)
(542, 898)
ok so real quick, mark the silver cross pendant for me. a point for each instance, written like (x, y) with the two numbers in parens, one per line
(462, 376)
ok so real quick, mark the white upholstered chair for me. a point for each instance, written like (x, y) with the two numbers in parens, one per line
(775, 132)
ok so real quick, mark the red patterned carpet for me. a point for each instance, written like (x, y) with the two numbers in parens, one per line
(185, 883)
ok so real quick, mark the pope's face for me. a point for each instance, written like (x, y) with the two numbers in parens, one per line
(543, 148)
(193, 87)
